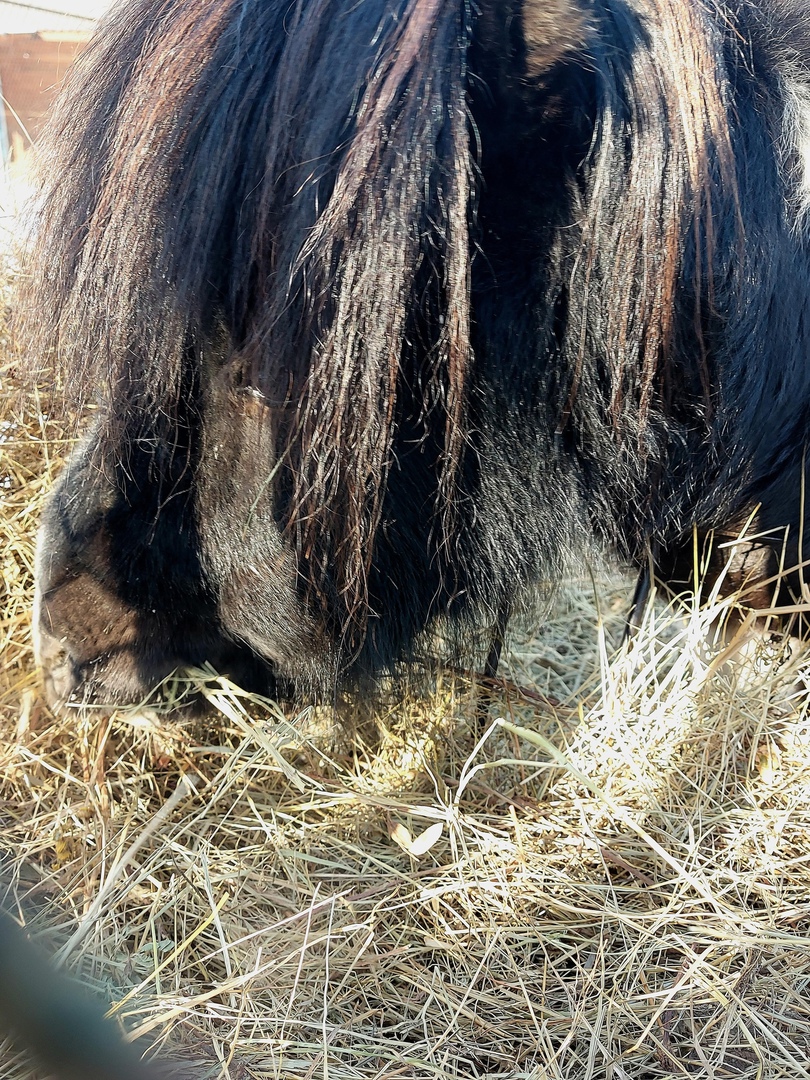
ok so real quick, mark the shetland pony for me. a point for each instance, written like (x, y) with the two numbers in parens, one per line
(394, 311)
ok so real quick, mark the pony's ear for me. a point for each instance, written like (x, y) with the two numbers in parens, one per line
(525, 39)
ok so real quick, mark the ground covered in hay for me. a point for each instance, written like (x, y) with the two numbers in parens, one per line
(609, 878)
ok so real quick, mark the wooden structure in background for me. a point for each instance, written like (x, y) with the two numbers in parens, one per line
(31, 68)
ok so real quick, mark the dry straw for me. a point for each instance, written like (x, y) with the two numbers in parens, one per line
(610, 878)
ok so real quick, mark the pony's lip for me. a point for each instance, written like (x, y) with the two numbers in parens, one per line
(60, 673)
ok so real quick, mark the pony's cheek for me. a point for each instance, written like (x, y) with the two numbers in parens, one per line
(122, 600)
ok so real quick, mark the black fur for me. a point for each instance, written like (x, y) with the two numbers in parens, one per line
(394, 312)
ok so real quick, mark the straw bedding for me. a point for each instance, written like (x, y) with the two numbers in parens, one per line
(614, 883)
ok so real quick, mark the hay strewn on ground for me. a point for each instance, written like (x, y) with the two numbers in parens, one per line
(615, 883)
